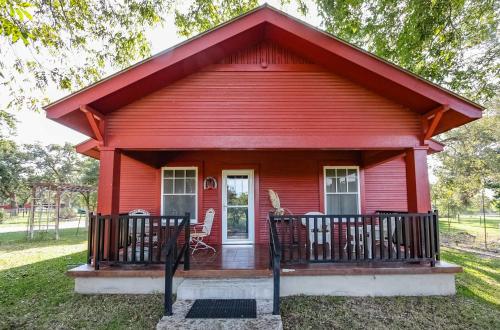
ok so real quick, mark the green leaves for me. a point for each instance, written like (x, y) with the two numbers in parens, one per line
(203, 15)
(450, 42)
(13, 15)
(469, 163)
(68, 44)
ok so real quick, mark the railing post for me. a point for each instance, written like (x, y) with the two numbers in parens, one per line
(275, 254)
(271, 218)
(187, 239)
(89, 239)
(436, 229)
(169, 262)
(97, 241)
(276, 278)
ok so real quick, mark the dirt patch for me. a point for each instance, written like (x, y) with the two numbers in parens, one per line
(469, 242)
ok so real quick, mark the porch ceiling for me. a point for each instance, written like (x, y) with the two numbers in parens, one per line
(158, 158)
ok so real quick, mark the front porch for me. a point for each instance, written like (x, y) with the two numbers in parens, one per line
(251, 262)
(333, 238)
(384, 254)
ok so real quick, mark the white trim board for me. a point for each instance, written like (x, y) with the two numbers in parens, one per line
(251, 206)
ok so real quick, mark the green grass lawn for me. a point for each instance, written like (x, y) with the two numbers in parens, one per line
(476, 305)
(36, 293)
(469, 231)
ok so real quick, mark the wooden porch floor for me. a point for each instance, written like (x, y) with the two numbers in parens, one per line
(229, 257)
(253, 261)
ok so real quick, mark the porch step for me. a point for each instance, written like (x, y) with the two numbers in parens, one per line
(228, 288)
(265, 319)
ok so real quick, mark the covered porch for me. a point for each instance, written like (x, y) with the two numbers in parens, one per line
(348, 212)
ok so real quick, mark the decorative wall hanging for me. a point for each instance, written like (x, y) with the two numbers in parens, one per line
(210, 183)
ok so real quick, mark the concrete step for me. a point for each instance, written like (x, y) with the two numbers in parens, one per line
(228, 288)
(265, 319)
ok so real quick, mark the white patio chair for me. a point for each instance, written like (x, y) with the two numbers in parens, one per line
(201, 231)
(320, 230)
(138, 235)
(386, 235)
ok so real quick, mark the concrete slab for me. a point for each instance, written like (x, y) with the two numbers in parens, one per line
(265, 319)
(229, 288)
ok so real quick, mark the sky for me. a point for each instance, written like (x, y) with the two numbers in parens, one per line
(34, 126)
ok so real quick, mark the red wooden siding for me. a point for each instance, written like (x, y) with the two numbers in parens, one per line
(385, 187)
(264, 52)
(297, 102)
(139, 186)
(294, 175)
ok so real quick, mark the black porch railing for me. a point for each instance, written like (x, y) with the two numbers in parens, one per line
(125, 239)
(380, 237)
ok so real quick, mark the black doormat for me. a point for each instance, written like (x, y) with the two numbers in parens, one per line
(223, 309)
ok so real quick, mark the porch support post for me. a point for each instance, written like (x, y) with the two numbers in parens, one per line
(108, 196)
(108, 193)
(417, 180)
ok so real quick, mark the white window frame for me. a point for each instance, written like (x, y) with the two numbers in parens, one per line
(192, 220)
(325, 193)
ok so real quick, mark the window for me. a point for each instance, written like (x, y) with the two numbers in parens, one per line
(341, 190)
(180, 191)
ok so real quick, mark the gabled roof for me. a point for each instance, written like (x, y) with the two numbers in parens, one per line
(264, 23)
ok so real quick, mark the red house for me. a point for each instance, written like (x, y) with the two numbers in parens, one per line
(266, 102)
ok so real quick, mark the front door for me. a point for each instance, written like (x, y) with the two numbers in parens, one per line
(237, 207)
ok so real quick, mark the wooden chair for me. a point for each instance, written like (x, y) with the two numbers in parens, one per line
(201, 231)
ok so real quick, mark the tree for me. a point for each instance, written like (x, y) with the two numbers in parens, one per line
(89, 176)
(60, 164)
(11, 169)
(450, 42)
(52, 163)
(470, 161)
(203, 15)
(67, 45)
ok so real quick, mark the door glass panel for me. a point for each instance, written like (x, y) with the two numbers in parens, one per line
(237, 222)
(237, 189)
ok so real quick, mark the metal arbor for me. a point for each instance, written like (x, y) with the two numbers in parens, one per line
(37, 203)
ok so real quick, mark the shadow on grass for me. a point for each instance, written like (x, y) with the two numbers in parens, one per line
(18, 241)
(41, 296)
(480, 279)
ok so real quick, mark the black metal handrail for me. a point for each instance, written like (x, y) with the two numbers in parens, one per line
(380, 237)
(173, 257)
(124, 239)
(275, 263)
